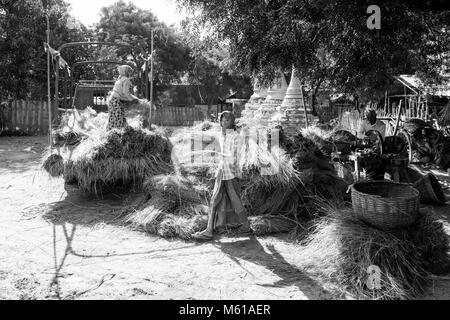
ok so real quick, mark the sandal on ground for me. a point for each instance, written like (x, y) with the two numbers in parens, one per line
(202, 236)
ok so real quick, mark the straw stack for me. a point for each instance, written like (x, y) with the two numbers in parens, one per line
(255, 101)
(291, 113)
(273, 100)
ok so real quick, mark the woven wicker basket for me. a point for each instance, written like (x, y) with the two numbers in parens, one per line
(385, 205)
(430, 191)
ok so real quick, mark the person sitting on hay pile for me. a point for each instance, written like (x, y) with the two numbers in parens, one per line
(226, 203)
(118, 97)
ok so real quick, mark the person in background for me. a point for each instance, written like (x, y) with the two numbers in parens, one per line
(120, 96)
(226, 203)
(371, 123)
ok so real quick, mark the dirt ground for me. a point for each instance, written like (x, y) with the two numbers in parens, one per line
(56, 244)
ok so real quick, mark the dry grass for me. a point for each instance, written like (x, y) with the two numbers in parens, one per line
(174, 206)
(263, 225)
(108, 158)
(280, 193)
(53, 164)
(321, 138)
(341, 248)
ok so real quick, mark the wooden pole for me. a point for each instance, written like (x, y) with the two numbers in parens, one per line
(151, 83)
(48, 82)
(398, 117)
(304, 108)
(147, 95)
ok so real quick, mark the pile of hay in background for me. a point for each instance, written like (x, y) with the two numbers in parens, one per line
(321, 138)
(341, 248)
(306, 154)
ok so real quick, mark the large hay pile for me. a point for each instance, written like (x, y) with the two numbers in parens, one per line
(96, 159)
(277, 198)
(118, 156)
(341, 249)
(177, 203)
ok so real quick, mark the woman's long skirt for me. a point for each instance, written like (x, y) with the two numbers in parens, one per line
(116, 114)
(227, 204)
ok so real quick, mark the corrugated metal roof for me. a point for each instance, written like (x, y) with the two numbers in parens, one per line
(414, 82)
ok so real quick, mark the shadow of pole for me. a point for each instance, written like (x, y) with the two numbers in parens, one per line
(253, 251)
(69, 238)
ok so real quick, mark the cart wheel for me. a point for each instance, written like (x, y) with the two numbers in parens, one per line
(407, 137)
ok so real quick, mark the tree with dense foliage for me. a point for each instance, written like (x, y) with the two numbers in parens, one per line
(209, 68)
(329, 41)
(22, 35)
(126, 23)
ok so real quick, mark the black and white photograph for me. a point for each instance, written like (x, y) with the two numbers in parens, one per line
(224, 155)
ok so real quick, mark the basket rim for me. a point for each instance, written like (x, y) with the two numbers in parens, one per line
(414, 192)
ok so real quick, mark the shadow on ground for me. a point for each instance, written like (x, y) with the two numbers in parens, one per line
(80, 209)
(253, 251)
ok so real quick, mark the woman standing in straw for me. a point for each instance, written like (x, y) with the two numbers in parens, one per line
(226, 204)
(120, 95)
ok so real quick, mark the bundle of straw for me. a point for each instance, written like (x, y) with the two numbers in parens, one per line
(321, 138)
(178, 190)
(176, 206)
(262, 225)
(86, 121)
(54, 165)
(341, 249)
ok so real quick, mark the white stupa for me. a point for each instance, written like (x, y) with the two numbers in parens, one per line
(291, 113)
(274, 98)
(253, 104)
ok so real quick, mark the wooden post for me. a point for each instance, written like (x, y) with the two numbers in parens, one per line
(24, 114)
(13, 115)
(72, 91)
(45, 117)
(304, 108)
(39, 117)
(27, 115)
(48, 81)
(32, 117)
(404, 93)
(35, 117)
(151, 83)
(147, 94)
(398, 117)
